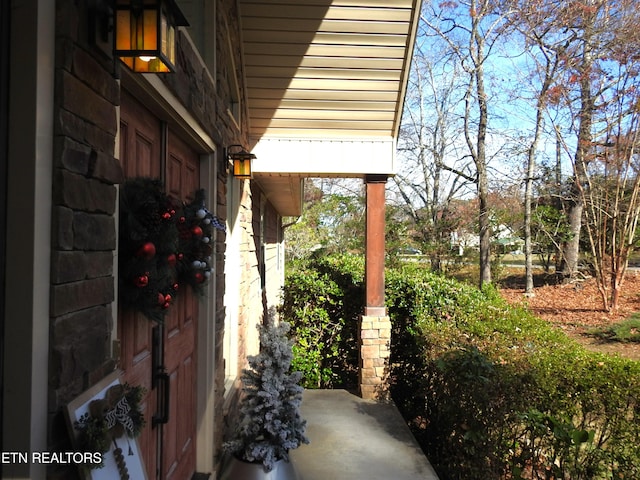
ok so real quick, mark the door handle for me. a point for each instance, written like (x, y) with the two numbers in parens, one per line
(164, 394)
(156, 355)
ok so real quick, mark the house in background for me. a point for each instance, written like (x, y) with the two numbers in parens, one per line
(311, 88)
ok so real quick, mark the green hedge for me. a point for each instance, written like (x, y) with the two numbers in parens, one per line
(488, 390)
(323, 300)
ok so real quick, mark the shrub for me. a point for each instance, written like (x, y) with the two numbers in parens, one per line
(493, 392)
(489, 391)
(626, 331)
(323, 299)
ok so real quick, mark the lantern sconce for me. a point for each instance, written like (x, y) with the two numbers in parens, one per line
(142, 33)
(239, 162)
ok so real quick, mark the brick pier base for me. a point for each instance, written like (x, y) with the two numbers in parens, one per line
(374, 341)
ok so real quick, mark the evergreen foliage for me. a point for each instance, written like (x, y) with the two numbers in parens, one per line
(488, 390)
(164, 245)
(196, 228)
(270, 423)
(323, 302)
(147, 277)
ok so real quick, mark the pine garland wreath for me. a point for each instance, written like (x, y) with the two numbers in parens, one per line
(196, 229)
(147, 249)
(270, 423)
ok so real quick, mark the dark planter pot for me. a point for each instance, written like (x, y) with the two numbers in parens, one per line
(236, 469)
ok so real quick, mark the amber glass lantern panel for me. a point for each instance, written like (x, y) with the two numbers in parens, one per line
(145, 35)
(242, 167)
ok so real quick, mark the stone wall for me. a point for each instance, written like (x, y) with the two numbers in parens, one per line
(374, 341)
(251, 308)
(83, 219)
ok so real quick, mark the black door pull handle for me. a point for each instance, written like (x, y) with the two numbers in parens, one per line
(164, 386)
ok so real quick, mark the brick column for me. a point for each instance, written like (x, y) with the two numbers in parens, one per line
(375, 326)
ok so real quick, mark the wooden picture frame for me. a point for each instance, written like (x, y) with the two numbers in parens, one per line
(130, 448)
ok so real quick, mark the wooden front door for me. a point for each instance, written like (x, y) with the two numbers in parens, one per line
(162, 358)
(180, 335)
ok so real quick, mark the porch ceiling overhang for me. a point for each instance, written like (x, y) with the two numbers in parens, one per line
(325, 84)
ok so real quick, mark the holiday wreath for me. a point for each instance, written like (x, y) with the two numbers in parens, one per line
(163, 245)
(148, 248)
(196, 228)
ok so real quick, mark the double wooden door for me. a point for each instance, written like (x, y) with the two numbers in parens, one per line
(162, 357)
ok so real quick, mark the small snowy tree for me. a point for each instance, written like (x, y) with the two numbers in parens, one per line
(270, 423)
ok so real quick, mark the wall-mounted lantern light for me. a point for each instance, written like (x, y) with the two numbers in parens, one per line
(240, 161)
(142, 33)
(145, 34)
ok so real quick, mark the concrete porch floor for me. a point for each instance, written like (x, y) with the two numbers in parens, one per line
(356, 439)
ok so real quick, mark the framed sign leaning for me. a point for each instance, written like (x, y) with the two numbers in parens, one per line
(104, 422)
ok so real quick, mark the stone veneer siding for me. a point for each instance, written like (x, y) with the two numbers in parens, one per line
(86, 173)
(374, 339)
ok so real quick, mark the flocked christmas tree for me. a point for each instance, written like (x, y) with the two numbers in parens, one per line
(270, 423)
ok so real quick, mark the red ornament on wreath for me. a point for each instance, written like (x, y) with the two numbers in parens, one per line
(172, 259)
(147, 251)
(199, 277)
(167, 301)
(147, 237)
(196, 231)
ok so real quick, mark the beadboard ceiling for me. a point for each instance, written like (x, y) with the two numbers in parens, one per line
(326, 68)
(325, 86)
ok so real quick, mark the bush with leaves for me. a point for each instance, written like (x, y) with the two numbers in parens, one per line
(323, 300)
(489, 390)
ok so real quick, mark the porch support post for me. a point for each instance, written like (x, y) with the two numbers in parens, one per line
(375, 325)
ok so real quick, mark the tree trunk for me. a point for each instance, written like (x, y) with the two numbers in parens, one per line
(559, 250)
(531, 168)
(528, 194)
(581, 159)
(618, 268)
(485, 230)
(571, 248)
(484, 221)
